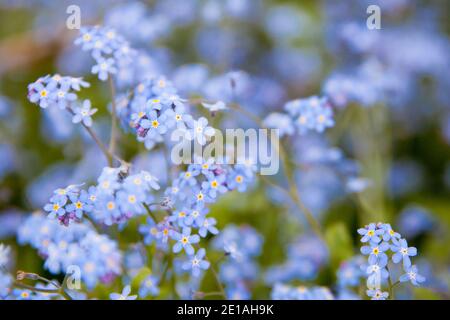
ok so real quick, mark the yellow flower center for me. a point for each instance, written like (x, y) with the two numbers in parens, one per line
(184, 240)
(110, 205)
(155, 123)
(214, 184)
(55, 207)
(132, 199)
(182, 214)
(200, 196)
(78, 205)
(239, 179)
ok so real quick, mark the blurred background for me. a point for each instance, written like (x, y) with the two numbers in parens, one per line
(386, 159)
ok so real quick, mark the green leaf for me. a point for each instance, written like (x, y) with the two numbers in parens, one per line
(339, 243)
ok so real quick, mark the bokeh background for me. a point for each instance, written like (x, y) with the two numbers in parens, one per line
(387, 158)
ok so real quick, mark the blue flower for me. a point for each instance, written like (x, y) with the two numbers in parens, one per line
(184, 241)
(164, 231)
(62, 97)
(377, 294)
(389, 233)
(56, 207)
(103, 68)
(403, 252)
(214, 185)
(188, 178)
(200, 131)
(153, 123)
(196, 263)
(181, 218)
(79, 204)
(84, 113)
(149, 230)
(376, 252)
(371, 233)
(412, 275)
(208, 225)
(125, 295)
(41, 94)
(149, 287)
(237, 180)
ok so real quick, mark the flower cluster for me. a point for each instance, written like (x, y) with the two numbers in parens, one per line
(96, 255)
(188, 196)
(110, 50)
(156, 110)
(380, 238)
(303, 115)
(55, 90)
(117, 197)
(285, 292)
(241, 245)
(60, 91)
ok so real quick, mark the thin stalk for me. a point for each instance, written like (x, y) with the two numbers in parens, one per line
(114, 132)
(219, 284)
(109, 156)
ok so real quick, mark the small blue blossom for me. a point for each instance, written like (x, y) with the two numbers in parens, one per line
(149, 287)
(196, 263)
(184, 241)
(200, 131)
(104, 68)
(376, 252)
(56, 207)
(412, 275)
(377, 294)
(208, 225)
(370, 233)
(403, 252)
(84, 113)
(149, 230)
(125, 295)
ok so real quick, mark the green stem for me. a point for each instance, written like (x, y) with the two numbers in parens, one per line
(113, 138)
(216, 277)
(109, 156)
(149, 211)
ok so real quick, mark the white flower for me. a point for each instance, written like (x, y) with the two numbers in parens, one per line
(214, 107)
(4, 253)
